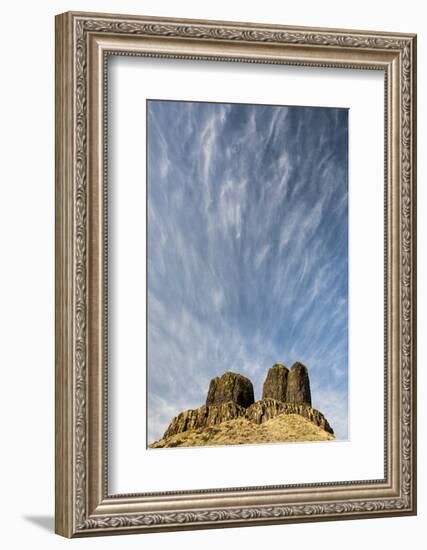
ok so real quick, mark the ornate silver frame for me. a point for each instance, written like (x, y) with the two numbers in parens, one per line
(83, 505)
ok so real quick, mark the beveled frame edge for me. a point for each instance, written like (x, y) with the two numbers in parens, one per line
(82, 506)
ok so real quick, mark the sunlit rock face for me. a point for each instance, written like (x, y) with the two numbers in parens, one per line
(204, 417)
(266, 409)
(230, 386)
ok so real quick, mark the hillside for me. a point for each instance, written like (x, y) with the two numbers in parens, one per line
(241, 431)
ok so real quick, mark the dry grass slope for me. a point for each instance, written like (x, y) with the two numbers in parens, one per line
(240, 431)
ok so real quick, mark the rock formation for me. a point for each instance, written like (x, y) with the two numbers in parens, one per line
(276, 383)
(259, 412)
(230, 403)
(264, 410)
(203, 417)
(298, 388)
(230, 387)
(240, 431)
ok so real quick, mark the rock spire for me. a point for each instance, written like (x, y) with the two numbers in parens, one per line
(298, 388)
(276, 383)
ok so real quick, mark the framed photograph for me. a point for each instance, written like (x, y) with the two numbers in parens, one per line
(235, 274)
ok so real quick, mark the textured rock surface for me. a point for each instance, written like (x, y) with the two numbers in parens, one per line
(230, 387)
(284, 428)
(204, 417)
(276, 383)
(298, 389)
(266, 409)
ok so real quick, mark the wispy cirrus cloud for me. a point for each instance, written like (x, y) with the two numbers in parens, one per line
(247, 250)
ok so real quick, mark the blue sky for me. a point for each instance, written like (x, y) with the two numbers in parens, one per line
(247, 251)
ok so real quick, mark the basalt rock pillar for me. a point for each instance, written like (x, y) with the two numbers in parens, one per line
(298, 387)
(276, 383)
(230, 387)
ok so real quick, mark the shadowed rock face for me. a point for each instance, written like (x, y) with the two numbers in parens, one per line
(298, 389)
(276, 383)
(230, 387)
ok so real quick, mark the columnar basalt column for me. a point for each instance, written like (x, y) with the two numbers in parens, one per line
(276, 383)
(298, 388)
